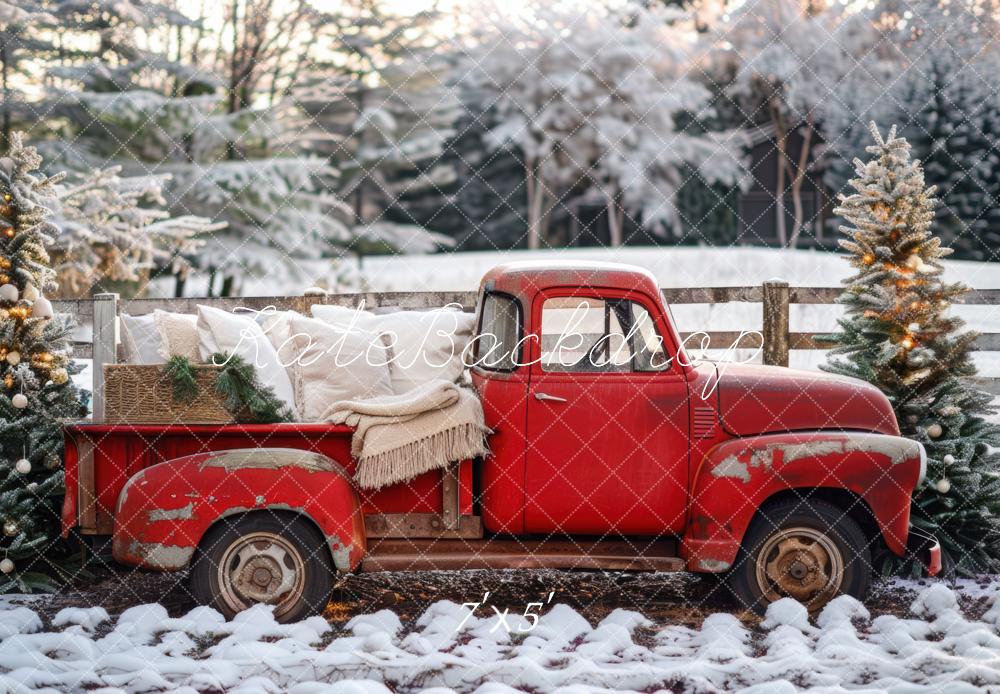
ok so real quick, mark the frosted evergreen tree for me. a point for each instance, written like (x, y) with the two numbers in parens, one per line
(223, 155)
(380, 108)
(590, 100)
(114, 230)
(36, 393)
(899, 335)
(950, 108)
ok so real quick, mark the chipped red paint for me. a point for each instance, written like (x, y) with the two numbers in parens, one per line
(614, 455)
(738, 476)
(164, 510)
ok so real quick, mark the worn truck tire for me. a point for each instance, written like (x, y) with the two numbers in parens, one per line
(261, 557)
(808, 550)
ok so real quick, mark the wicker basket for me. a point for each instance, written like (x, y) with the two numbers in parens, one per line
(143, 394)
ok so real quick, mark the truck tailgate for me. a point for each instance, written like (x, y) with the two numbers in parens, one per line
(101, 458)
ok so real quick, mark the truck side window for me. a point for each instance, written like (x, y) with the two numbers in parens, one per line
(497, 345)
(600, 335)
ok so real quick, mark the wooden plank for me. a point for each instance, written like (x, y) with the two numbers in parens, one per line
(829, 295)
(448, 555)
(723, 339)
(776, 337)
(814, 295)
(711, 295)
(414, 300)
(421, 525)
(986, 342)
(990, 385)
(449, 496)
(105, 346)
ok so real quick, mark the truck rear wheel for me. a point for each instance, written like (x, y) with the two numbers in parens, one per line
(263, 558)
(811, 551)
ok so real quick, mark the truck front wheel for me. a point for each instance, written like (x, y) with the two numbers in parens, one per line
(263, 558)
(811, 551)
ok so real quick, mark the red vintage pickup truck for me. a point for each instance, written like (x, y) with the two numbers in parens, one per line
(611, 450)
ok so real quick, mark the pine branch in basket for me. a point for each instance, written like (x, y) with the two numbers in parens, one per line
(244, 394)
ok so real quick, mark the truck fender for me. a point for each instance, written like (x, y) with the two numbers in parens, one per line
(164, 510)
(738, 476)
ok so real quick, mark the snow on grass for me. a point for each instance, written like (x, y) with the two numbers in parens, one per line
(936, 648)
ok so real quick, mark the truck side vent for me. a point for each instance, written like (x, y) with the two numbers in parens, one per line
(703, 423)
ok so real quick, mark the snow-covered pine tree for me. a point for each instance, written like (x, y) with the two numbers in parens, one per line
(114, 230)
(133, 104)
(36, 393)
(898, 335)
(589, 100)
(950, 111)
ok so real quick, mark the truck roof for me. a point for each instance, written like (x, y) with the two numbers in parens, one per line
(529, 276)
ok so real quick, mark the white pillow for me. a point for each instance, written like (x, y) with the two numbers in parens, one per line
(333, 364)
(178, 335)
(222, 331)
(277, 325)
(343, 317)
(141, 340)
(425, 345)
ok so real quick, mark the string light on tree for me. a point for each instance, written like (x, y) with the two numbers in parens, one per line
(897, 334)
(35, 369)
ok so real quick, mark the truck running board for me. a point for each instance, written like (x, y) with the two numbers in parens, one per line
(451, 555)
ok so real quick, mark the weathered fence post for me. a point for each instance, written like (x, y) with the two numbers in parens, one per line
(776, 338)
(105, 346)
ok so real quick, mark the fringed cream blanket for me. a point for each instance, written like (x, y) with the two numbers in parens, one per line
(398, 437)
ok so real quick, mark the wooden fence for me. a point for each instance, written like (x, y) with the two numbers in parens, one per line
(97, 335)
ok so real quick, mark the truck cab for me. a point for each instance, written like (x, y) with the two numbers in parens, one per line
(612, 448)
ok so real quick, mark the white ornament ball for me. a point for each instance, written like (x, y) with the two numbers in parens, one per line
(23, 466)
(8, 292)
(7, 566)
(943, 485)
(20, 401)
(948, 459)
(30, 292)
(13, 358)
(42, 308)
(934, 430)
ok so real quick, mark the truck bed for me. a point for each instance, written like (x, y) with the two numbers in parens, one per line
(100, 459)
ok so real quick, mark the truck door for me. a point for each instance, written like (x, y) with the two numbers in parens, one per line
(608, 417)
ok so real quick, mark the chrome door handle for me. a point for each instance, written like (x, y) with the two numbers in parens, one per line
(549, 398)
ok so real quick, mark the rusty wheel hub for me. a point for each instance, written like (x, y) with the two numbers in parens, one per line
(261, 567)
(800, 563)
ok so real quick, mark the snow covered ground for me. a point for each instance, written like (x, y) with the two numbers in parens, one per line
(934, 648)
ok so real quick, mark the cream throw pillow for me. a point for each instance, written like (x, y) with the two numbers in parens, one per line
(178, 335)
(425, 345)
(222, 331)
(333, 364)
(141, 340)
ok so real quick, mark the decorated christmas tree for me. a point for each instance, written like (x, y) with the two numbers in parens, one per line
(899, 335)
(36, 393)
